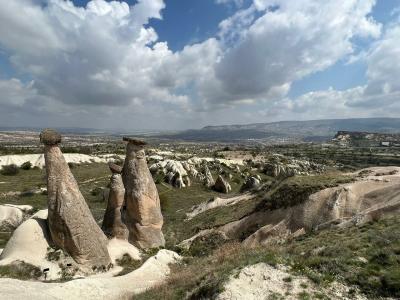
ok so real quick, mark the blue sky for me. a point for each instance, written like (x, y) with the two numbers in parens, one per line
(184, 64)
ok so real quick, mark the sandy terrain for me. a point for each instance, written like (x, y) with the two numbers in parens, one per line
(153, 272)
(37, 160)
(216, 202)
(262, 281)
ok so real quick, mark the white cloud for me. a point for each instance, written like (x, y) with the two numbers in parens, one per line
(379, 97)
(104, 60)
(290, 40)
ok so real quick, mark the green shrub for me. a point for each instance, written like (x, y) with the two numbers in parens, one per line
(20, 270)
(9, 170)
(205, 245)
(128, 264)
(26, 165)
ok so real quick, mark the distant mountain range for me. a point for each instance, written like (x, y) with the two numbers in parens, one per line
(315, 130)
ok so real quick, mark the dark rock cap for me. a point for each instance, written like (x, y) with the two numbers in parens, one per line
(115, 168)
(50, 137)
(134, 141)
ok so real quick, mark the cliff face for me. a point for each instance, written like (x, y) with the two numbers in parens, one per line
(356, 138)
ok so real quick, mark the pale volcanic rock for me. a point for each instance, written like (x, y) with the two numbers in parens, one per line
(152, 273)
(221, 185)
(208, 179)
(143, 212)
(217, 202)
(345, 205)
(72, 226)
(30, 243)
(250, 184)
(262, 281)
(11, 216)
(113, 225)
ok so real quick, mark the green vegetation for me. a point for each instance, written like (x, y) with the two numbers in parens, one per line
(128, 264)
(367, 257)
(203, 277)
(295, 190)
(26, 165)
(205, 245)
(9, 170)
(351, 158)
(4, 237)
(20, 270)
(90, 177)
(175, 203)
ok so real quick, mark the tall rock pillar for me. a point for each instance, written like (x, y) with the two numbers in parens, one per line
(72, 226)
(113, 225)
(143, 213)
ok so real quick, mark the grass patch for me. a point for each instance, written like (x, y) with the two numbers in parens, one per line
(4, 237)
(20, 270)
(128, 264)
(203, 277)
(367, 257)
(296, 190)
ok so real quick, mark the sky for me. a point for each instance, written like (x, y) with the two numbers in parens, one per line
(179, 64)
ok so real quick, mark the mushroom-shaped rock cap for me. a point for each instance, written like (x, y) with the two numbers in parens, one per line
(115, 168)
(50, 137)
(134, 141)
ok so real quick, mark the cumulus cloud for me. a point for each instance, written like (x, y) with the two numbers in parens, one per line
(105, 59)
(378, 97)
(291, 40)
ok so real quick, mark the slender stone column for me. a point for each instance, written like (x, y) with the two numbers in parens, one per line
(72, 226)
(112, 222)
(143, 213)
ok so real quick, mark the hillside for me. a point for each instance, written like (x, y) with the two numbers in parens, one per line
(355, 138)
(287, 131)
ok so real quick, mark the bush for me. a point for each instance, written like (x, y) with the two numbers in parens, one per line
(71, 165)
(9, 170)
(26, 165)
(128, 264)
(20, 270)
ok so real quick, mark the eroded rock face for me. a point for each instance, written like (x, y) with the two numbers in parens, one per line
(250, 184)
(143, 213)
(113, 225)
(71, 224)
(208, 179)
(221, 185)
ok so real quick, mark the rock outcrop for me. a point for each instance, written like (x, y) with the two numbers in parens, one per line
(143, 212)
(175, 172)
(369, 198)
(11, 216)
(152, 273)
(284, 167)
(221, 185)
(71, 224)
(113, 225)
(251, 183)
(208, 179)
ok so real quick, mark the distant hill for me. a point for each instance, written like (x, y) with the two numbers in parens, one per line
(314, 130)
(352, 138)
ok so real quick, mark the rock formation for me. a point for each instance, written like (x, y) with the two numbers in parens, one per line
(221, 185)
(11, 216)
(71, 224)
(112, 221)
(175, 173)
(143, 213)
(208, 179)
(369, 198)
(250, 184)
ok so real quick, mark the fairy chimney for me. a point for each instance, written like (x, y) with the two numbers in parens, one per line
(113, 225)
(71, 224)
(143, 213)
